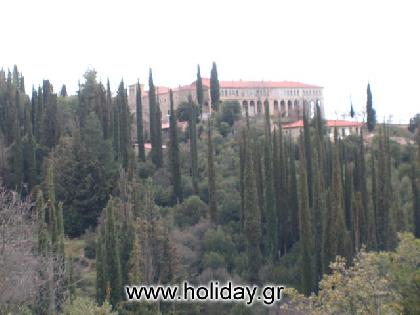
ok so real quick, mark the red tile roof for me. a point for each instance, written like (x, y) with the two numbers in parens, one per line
(329, 123)
(259, 84)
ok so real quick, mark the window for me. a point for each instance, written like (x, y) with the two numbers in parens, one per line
(237, 93)
(343, 132)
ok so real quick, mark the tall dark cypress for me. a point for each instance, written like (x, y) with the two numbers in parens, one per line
(63, 91)
(252, 224)
(29, 151)
(139, 120)
(50, 129)
(193, 144)
(214, 88)
(174, 152)
(124, 124)
(155, 124)
(199, 89)
(211, 176)
(370, 111)
(336, 237)
(113, 253)
(305, 232)
(373, 213)
(416, 202)
(385, 233)
(241, 173)
(293, 195)
(308, 155)
(270, 213)
(17, 154)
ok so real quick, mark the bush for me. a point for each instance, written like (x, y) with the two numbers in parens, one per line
(190, 211)
(224, 128)
(146, 169)
(230, 112)
(213, 260)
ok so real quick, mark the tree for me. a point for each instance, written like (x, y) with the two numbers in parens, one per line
(230, 112)
(125, 125)
(416, 202)
(112, 253)
(17, 153)
(414, 123)
(269, 210)
(211, 176)
(63, 91)
(199, 89)
(336, 237)
(305, 235)
(155, 124)
(85, 171)
(193, 144)
(50, 129)
(174, 153)
(371, 113)
(252, 229)
(352, 113)
(214, 88)
(139, 120)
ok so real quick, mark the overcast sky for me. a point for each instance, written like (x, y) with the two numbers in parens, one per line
(340, 45)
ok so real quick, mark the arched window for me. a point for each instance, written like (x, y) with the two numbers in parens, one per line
(276, 106)
(244, 106)
(259, 107)
(252, 108)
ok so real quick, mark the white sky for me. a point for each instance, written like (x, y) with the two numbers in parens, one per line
(340, 45)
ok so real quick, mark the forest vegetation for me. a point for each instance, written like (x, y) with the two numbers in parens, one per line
(233, 197)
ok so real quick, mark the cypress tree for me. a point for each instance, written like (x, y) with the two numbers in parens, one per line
(371, 113)
(214, 88)
(385, 231)
(159, 135)
(277, 191)
(29, 152)
(17, 154)
(257, 161)
(34, 105)
(109, 112)
(211, 176)
(135, 262)
(336, 237)
(416, 202)
(38, 115)
(50, 128)
(193, 144)
(139, 120)
(351, 111)
(100, 265)
(63, 91)
(174, 152)
(293, 196)
(45, 298)
(271, 216)
(318, 213)
(372, 214)
(308, 156)
(199, 89)
(252, 218)
(124, 116)
(241, 173)
(155, 124)
(116, 131)
(305, 232)
(112, 253)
